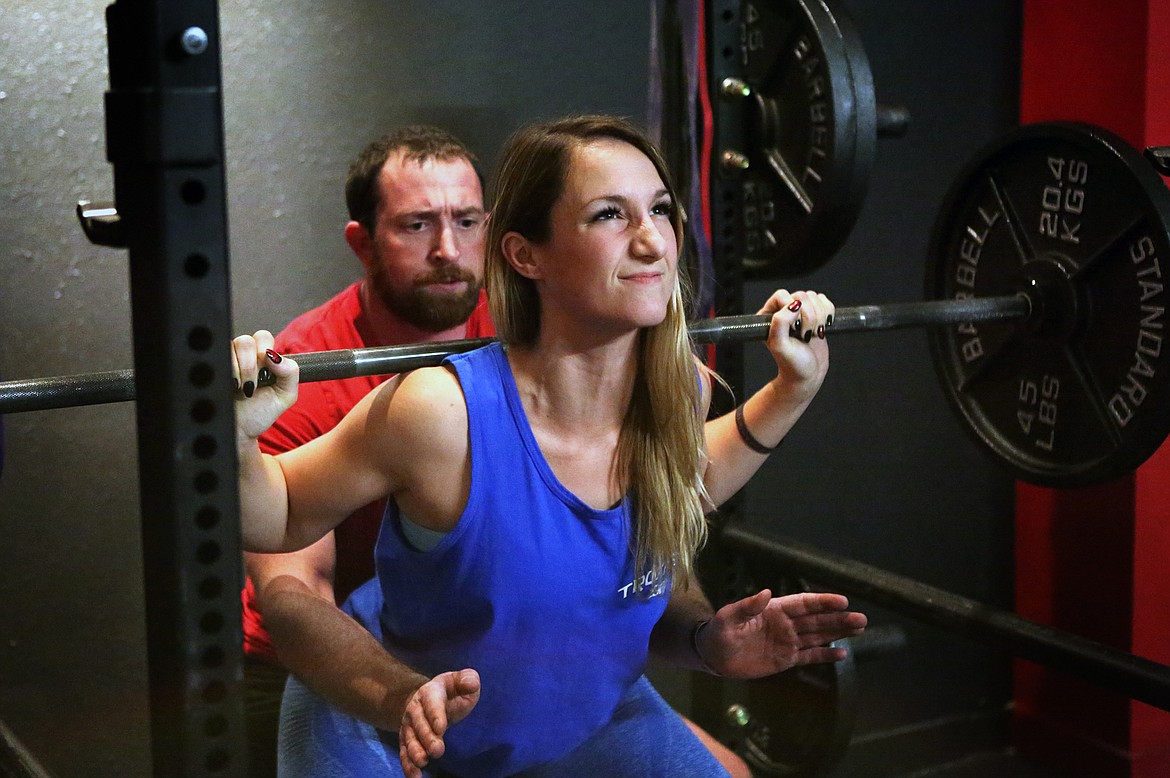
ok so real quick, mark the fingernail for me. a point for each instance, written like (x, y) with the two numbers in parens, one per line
(276, 358)
(794, 306)
(249, 388)
(829, 321)
(808, 336)
(821, 332)
(796, 325)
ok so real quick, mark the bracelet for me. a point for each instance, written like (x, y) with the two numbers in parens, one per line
(695, 645)
(748, 437)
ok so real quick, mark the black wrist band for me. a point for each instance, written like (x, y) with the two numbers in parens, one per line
(695, 645)
(749, 438)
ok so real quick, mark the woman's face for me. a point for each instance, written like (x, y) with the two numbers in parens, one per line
(612, 254)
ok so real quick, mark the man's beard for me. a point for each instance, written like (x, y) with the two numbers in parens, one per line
(424, 307)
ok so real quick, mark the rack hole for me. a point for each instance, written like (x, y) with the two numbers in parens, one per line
(208, 552)
(211, 622)
(193, 191)
(196, 266)
(207, 517)
(201, 374)
(203, 411)
(206, 482)
(200, 339)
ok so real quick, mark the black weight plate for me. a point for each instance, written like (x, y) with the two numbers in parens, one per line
(810, 133)
(800, 721)
(799, 724)
(1075, 218)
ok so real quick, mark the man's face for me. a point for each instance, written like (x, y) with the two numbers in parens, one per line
(426, 251)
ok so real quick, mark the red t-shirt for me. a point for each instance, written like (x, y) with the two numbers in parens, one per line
(338, 323)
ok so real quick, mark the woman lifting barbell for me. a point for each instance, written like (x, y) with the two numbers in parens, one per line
(547, 492)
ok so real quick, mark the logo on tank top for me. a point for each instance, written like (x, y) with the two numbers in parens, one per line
(650, 584)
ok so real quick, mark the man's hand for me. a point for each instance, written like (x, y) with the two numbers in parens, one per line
(442, 701)
(762, 635)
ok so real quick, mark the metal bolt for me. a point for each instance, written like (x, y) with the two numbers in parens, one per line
(738, 716)
(734, 88)
(1158, 156)
(193, 40)
(734, 160)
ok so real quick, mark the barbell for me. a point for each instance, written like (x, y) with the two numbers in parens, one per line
(1046, 324)
(38, 394)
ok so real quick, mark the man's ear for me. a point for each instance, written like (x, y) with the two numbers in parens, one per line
(360, 242)
(518, 250)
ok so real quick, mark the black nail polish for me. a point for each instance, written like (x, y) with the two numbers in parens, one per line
(829, 321)
(796, 325)
(249, 388)
(808, 336)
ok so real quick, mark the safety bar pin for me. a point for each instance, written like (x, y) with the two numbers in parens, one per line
(102, 224)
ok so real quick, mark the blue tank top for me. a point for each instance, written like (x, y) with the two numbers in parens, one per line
(532, 588)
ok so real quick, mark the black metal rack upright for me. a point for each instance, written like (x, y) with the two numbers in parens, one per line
(720, 568)
(164, 131)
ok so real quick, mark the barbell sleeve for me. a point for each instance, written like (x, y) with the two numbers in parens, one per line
(38, 394)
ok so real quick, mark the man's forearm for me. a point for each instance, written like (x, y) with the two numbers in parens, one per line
(335, 656)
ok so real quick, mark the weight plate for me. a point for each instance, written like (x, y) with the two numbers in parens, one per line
(1076, 219)
(799, 722)
(808, 131)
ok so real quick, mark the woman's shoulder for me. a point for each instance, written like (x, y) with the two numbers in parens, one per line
(426, 395)
(421, 414)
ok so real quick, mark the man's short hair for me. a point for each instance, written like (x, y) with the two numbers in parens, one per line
(417, 142)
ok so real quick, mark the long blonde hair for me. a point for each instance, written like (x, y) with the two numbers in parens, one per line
(660, 449)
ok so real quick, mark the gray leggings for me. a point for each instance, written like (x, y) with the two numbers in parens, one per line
(645, 738)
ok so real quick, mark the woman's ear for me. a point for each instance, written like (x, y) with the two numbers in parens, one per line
(520, 253)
